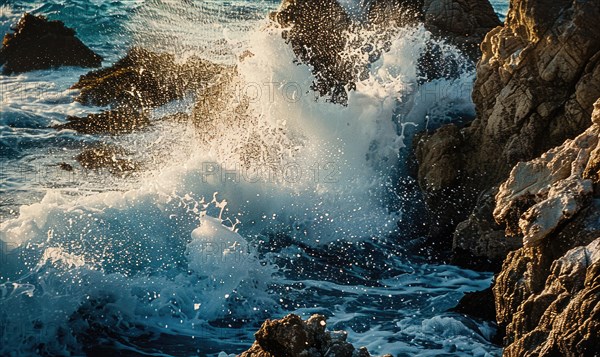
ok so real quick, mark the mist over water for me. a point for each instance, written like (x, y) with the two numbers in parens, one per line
(289, 205)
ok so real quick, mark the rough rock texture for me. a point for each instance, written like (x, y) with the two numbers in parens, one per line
(550, 307)
(41, 44)
(292, 337)
(314, 29)
(548, 292)
(144, 79)
(541, 194)
(464, 22)
(118, 121)
(536, 84)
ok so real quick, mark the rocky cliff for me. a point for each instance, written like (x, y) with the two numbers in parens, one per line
(548, 292)
(536, 84)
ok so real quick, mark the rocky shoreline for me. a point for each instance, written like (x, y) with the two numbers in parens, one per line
(516, 191)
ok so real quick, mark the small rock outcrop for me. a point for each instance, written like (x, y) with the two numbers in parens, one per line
(292, 337)
(548, 292)
(145, 79)
(536, 85)
(38, 43)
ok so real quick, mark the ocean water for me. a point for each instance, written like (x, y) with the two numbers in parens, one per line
(294, 207)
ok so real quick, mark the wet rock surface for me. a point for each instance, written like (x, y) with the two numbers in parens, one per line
(315, 31)
(113, 122)
(108, 157)
(293, 337)
(38, 43)
(145, 79)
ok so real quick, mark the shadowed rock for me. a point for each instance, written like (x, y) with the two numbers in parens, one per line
(292, 337)
(118, 121)
(38, 43)
(463, 23)
(315, 30)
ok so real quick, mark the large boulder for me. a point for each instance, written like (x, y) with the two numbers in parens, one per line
(38, 43)
(145, 79)
(319, 32)
(536, 84)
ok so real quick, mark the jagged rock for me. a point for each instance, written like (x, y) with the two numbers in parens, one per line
(536, 84)
(547, 292)
(292, 337)
(463, 23)
(541, 194)
(314, 29)
(118, 121)
(41, 44)
(550, 307)
(144, 79)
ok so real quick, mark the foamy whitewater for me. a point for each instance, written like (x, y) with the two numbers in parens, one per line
(292, 207)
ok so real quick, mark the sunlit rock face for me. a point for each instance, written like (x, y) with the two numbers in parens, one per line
(145, 79)
(38, 43)
(547, 292)
(536, 84)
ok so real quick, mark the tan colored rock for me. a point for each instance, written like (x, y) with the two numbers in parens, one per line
(541, 194)
(536, 84)
(550, 308)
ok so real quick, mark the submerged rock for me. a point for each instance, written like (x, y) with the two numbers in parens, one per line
(38, 43)
(536, 84)
(292, 337)
(144, 79)
(107, 157)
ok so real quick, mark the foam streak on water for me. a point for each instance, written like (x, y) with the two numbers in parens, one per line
(278, 202)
